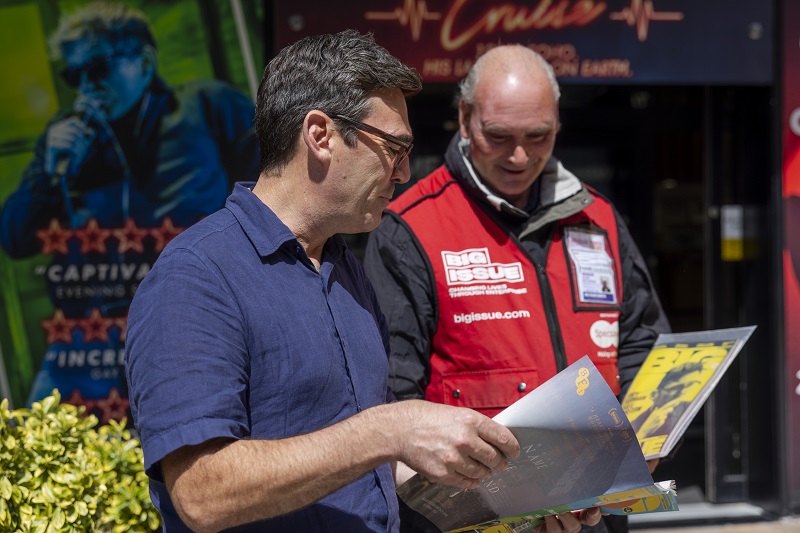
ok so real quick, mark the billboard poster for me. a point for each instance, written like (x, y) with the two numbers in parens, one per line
(123, 124)
(586, 41)
(790, 117)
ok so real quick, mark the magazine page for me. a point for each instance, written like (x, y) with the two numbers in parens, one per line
(675, 380)
(576, 444)
(658, 497)
(662, 497)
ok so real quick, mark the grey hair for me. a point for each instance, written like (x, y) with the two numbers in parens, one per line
(470, 83)
(334, 73)
(124, 28)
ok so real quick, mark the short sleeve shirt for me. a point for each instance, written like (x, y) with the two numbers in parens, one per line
(235, 334)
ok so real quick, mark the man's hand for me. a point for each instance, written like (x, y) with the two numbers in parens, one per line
(69, 140)
(452, 445)
(569, 522)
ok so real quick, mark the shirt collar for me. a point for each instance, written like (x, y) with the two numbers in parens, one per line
(262, 226)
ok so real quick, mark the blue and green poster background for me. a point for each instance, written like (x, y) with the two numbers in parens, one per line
(196, 40)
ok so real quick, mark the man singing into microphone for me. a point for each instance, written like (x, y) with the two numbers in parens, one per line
(111, 182)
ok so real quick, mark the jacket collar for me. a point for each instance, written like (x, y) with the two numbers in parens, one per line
(561, 193)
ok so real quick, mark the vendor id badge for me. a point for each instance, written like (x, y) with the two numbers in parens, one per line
(592, 268)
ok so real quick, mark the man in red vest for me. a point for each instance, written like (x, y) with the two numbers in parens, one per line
(501, 267)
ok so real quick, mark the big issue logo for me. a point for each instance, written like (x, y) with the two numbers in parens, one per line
(474, 265)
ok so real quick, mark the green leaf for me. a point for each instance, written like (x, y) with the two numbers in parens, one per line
(5, 488)
(81, 508)
(58, 519)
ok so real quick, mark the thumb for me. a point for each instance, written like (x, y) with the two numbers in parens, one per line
(590, 516)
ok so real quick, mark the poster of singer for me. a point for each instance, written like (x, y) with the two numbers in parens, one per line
(124, 123)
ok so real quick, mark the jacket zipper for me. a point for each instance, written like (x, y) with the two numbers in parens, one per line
(548, 302)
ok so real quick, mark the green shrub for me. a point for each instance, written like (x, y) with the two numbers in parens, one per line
(58, 472)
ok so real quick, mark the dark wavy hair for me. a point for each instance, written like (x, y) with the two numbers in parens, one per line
(334, 73)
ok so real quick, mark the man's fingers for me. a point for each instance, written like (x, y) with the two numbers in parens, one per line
(500, 437)
(474, 469)
(563, 523)
(591, 516)
(487, 455)
(569, 522)
(467, 482)
(454, 445)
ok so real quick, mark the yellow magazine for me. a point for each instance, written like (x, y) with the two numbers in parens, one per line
(675, 380)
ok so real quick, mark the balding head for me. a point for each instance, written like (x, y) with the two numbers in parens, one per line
(508, 60)
(509, 114)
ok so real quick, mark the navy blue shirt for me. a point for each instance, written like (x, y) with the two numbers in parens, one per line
(235, 334)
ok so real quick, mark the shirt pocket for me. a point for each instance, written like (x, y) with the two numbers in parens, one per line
(488, 391)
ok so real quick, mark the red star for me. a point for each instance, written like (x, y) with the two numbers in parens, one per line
(58, 328)
(54, 239)
(130, 237)
(95, 327)
(165, 233)
(93, 237)
(114, 407)
(122, 324)
(77, 399)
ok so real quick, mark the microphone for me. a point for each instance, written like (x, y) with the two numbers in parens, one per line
(85, 109)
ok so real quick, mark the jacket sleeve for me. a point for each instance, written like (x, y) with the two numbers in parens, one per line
(31, 207)
(642, 318)
(403, 281)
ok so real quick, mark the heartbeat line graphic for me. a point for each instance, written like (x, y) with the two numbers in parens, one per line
(412, 14)
(639, 15)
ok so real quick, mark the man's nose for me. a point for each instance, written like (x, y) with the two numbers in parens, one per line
(519, 155)
(403, 172)
(88, 83)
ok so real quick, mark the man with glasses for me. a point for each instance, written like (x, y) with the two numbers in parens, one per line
(501, 268)
(257, 358)
(400, 149)
(111, 181)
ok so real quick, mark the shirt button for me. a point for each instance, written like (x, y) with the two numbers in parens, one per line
(297, 249)
(522, 386)
(457, 393)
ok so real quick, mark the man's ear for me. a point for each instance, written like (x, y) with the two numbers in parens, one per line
(464, 114)
(317, 133)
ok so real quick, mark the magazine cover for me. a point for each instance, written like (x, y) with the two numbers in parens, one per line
(584, 450)
(678, 375)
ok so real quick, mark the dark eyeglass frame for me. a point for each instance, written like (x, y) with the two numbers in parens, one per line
(96, 68)
(399, 155)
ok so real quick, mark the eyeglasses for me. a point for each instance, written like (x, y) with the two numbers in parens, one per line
(97, 68)
(399, 154)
